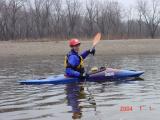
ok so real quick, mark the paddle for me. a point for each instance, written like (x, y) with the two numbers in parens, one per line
(96, 40)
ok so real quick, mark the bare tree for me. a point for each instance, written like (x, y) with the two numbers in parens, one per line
(151, 15)
(13, 8)
(58, 19)
(37, 11)
(2, 32)
(101, 18)
(90, 16)
(72, 14)
(21, 19)
(129, 21)
(140, 23)
(115, 17)
(109, 18)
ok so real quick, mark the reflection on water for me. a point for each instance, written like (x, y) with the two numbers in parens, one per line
(97, 101)
(76, 96)
(74, 93)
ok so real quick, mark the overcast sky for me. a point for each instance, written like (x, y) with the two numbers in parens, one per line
(127, 3)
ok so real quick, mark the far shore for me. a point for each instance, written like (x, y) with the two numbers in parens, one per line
(105, 47)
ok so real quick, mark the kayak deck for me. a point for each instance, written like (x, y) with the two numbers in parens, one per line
(107, 74)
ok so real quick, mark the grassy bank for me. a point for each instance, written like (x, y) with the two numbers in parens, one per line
(105, 47)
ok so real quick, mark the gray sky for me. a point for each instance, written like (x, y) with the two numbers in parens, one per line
(127, 3)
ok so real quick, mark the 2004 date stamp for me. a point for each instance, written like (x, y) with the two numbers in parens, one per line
(130, 108)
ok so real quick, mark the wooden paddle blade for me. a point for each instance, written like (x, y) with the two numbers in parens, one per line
(96, 39)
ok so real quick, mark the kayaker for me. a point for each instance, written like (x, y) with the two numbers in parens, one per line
(73, 62)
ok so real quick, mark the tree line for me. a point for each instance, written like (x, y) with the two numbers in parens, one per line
(62, 19)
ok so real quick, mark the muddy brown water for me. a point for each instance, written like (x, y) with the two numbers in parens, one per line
(108, 100)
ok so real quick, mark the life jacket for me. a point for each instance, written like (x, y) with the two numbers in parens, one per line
(79, 68)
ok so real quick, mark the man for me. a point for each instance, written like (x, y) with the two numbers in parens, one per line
(73, 63)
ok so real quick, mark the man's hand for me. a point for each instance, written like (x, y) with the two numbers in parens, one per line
(92, 51)
(84, 76)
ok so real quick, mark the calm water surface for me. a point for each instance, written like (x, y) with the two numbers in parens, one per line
(134, 100)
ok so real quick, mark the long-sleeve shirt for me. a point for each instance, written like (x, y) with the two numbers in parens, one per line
(74, 61)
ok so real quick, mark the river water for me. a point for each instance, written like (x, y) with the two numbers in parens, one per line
(133, 100)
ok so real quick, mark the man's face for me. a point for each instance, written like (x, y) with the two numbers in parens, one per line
(76, 48)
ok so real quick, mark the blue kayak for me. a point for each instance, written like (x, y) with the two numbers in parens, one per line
(107, 74)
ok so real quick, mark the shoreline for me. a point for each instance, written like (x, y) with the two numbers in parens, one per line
(105, 47)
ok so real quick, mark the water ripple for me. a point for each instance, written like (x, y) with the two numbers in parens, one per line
(103, 100)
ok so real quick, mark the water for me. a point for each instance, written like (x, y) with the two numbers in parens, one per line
(113, 101)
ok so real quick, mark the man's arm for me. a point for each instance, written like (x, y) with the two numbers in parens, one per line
(87, 52)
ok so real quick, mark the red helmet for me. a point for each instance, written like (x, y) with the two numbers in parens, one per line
(74, 42)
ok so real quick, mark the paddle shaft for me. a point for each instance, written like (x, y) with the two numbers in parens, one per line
(90, 61)
(96, 40)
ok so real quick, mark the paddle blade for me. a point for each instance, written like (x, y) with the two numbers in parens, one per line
(96, 39)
